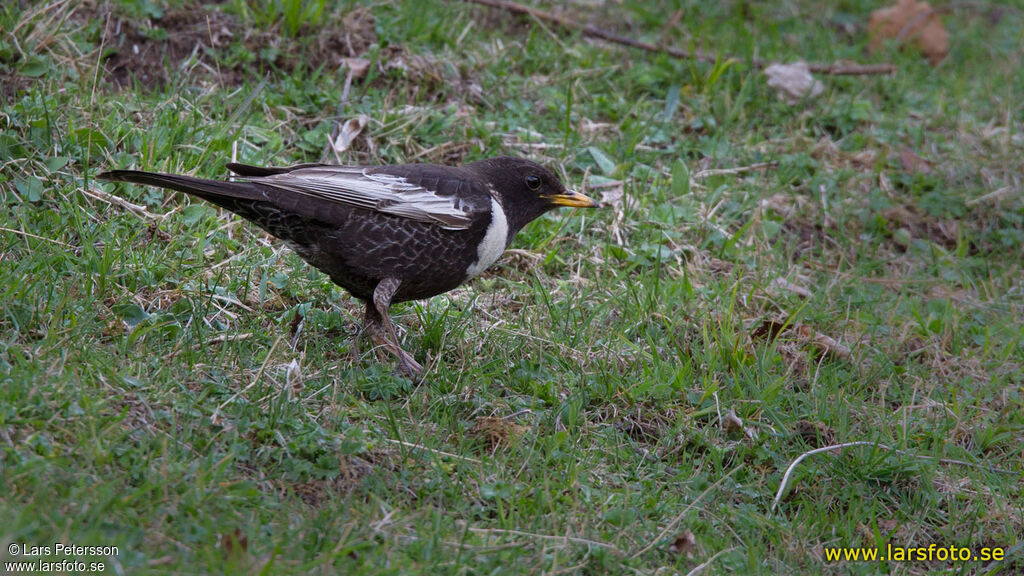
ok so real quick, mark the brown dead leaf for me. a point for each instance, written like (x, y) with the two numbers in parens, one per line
(782, 285)
(911, 162)
(771, 329)
(793, 82)
(293, 375)
(358, 66)
(802, 331)
(495, 432)
(731, 422)
(349, 131)
(945, 233)
(415, 66)
(234, 543)
(684, 544)
(910, 21)
(154, 231)
(829, 344)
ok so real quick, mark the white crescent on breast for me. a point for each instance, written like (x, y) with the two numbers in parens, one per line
(494, 241)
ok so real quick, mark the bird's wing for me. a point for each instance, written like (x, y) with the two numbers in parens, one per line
(370, 189)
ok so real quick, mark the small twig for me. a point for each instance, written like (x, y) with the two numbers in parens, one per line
(434, 450)
(563, 539)
(835, 447)
(718, 408)
(702, 566)
(102, 196)
(700, 55)
(230, 300)
(736, 170)
(482, 549)
(993, 195)
(216, 413)
(228, 338)
(99, 60)
(37, 237)
(844, 69)
(592, 31)
(248, 101)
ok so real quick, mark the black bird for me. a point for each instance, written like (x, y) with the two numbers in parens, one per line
(386, 233)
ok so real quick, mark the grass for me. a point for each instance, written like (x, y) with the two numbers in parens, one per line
(620, 394)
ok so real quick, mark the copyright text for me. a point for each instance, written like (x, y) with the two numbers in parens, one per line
(57, 557)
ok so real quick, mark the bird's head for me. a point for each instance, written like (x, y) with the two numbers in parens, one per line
(527, 190)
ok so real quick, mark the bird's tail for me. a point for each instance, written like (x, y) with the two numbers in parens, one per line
(207, 189)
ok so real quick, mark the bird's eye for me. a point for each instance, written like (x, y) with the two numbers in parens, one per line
(533, 182)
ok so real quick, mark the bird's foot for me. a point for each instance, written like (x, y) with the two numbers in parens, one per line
(408, 366)
(379, 327)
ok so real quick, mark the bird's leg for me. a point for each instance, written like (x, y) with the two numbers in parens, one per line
(382, 295)
(372, 328)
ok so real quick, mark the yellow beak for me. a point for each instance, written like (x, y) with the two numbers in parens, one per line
(573, 199)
